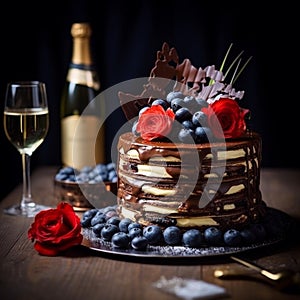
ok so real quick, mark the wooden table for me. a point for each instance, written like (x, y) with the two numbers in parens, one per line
(82, 273)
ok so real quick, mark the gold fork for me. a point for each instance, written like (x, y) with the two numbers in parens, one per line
(284, 280)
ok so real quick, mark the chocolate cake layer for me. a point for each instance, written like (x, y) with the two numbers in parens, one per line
(190, 185)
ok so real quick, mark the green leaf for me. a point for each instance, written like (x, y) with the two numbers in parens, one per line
(232, 64)
(231, 81)
(223, 62)
(226, 55)
(244, 66)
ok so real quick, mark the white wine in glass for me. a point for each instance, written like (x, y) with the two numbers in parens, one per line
(26, 123)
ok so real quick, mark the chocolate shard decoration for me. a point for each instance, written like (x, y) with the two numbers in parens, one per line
(160, 76)
(201, 83)
(165, 61)
(132, 104)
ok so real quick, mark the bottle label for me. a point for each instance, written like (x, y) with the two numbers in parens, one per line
(83, 77)
(82, 141)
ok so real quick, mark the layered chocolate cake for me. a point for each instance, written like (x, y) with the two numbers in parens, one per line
(190, 185)
(190, 160)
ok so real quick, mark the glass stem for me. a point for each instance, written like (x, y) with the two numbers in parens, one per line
(27, 201)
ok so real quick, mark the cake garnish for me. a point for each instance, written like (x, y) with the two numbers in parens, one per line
(204, 106)
(155, 122)
(231, 117)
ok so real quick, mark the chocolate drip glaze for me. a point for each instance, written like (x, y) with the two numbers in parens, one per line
(223, 186)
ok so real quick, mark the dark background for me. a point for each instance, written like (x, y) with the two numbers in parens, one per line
(36, 45)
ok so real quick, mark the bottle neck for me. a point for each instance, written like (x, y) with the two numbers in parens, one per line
(81, 69)
(81, 51)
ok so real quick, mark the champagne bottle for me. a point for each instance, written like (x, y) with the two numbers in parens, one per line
(82, 112)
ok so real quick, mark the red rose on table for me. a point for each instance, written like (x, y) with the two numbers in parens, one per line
(55, 230)
(155, 122)
(229, 115)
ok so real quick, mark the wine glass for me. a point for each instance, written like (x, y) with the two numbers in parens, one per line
(26, 122)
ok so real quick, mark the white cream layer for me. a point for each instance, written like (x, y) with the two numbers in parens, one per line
(181, 222)
(148, 189)
(134, 154)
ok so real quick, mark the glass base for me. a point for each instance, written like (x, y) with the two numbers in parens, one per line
(30, 212)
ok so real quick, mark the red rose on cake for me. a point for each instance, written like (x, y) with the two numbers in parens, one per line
(226, 118)
(155, 122)
(55, 230)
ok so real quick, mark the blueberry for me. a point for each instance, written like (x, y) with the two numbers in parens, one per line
(71, 178)
(123, 224)
(188, 124)
(203, 134)
(82, 177)
(111, 175)
(153, 233)
(99, 178)
(85, 222)
(213, 236)
(172, 235)
(139, 243)
(161, 102)
(114, 179)
(186, 135)
(176, 103)
(92, 174)
(248, 236)
(67, 170)
(87, 217)
(232, 237)
(134, 225)
(97, 228)
(199, 118)
(174, 94)
(120, 240)
(183, 114)
(135, 231)
(108, 231)
(192, 238)
(99, 217)
(111, 166)
(90, 213)
(100, 170)
(114, 220)
(61, 176)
